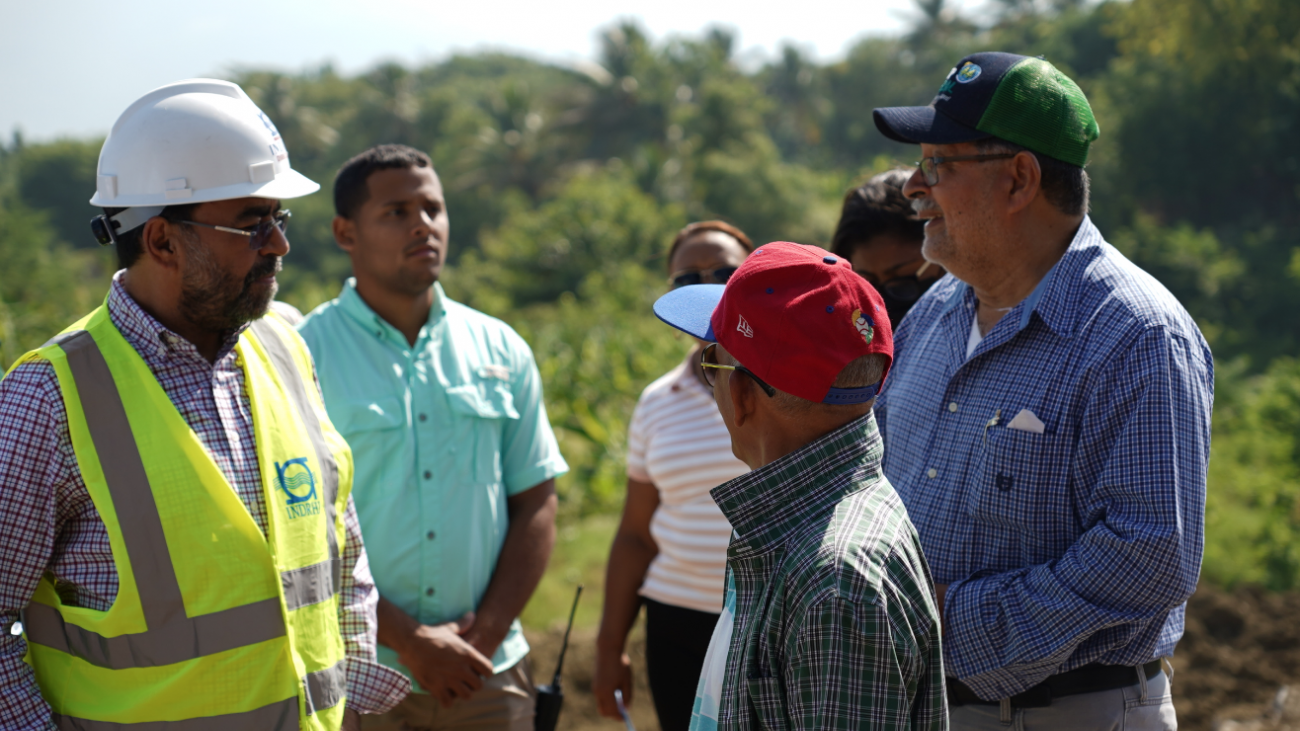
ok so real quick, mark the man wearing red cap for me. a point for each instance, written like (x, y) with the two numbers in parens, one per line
(830, 619)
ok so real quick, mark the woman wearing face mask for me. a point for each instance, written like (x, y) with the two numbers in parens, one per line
(670, 551)
(881, 236)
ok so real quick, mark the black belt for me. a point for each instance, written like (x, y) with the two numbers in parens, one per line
(1087, 679)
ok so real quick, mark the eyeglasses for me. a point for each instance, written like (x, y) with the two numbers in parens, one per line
(716, 276)
(709, 362)
(930, 165)
(258, 235)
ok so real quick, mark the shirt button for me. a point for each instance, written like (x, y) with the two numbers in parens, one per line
(429, 591)
(932, 473)
(430, 535)
(428, 475)
(424, 417)
(953, 407)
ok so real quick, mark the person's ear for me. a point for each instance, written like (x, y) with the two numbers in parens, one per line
(744, 401)
(160, 242)
(345, 233)
(1026, 181)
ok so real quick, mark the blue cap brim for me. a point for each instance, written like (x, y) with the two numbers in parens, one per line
(690, 309)
(917, 125)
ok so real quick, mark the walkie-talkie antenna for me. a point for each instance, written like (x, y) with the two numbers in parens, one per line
(559, 664)
(551, 697)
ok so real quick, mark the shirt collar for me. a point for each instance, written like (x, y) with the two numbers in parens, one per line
(1053, 298)
(150, 337)
(764, 506)
(356, 308)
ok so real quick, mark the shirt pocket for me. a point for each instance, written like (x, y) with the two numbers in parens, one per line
(483, 407)
(1017, 490)
(369, 415)
(767, 703)
(371, 427)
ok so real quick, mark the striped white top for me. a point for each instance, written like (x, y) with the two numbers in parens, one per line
(678, 442)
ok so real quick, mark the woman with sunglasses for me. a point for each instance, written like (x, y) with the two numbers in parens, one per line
(670, 551)
(880, 234)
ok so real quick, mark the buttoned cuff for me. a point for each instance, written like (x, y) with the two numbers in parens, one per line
(373, 688)
(975, 641)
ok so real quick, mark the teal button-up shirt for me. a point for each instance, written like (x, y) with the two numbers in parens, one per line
(442, 433)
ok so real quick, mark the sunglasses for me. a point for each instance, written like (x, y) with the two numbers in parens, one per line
(259, 234)
(715, 276)
(709, 363)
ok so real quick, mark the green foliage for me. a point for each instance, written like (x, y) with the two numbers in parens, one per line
(44, 286)
(1209, 95)
(59, 177)
(564, 184)
(599, 222)
(581, 550)
(596, 350)
(1252, 516)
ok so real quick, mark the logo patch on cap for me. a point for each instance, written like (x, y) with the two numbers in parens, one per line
(945, 91)
(968, 73)
(863, 325)
(743, 328)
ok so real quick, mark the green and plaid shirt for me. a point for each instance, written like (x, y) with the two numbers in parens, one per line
(836, 625)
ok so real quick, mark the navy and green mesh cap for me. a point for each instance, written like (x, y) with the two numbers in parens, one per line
(1019, 99)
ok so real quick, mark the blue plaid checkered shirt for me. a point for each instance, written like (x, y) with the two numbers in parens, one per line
(1079, 544)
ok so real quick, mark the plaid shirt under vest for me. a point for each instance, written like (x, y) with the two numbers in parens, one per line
(50, 527)
(836, 626)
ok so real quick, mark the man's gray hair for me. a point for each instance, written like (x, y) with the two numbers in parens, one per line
(1064, 185)
(862, 371)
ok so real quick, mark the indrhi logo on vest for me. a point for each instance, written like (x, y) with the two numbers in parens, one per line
(299, 487)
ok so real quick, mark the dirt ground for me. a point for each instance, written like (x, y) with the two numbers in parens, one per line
(579, 713)
(1239, 649)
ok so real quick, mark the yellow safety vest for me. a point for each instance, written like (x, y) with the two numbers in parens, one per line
(215, 626)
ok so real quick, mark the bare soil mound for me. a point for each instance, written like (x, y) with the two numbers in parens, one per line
(1240, 647)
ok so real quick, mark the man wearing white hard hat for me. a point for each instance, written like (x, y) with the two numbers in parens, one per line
(179, 547)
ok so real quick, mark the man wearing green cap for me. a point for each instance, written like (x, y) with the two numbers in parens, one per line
(1047, 422)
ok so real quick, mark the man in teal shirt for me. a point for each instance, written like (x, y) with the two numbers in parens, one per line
(455, 459)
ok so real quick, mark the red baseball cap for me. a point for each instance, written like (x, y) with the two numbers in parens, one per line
(795, 315)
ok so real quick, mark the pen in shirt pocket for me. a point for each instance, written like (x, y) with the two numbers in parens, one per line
(997, 417)
(1024, 421)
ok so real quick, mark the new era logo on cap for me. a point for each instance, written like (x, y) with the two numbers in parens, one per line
(814, 316)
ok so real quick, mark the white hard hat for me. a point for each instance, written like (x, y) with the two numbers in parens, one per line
(193, 141)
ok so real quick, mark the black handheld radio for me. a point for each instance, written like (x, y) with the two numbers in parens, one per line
(551, 697)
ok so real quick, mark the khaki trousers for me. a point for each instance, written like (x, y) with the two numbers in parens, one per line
(504, 703)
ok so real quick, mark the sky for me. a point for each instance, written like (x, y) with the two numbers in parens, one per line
(69, 67)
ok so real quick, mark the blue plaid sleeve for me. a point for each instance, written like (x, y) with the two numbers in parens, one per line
(1145, 434)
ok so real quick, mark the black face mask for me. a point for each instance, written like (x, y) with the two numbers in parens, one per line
(897, 305)
(900, 293)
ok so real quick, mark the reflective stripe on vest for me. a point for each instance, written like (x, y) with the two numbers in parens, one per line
(172, 636)
(282, 716)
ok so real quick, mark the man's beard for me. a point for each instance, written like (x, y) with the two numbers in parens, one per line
(215, 299)
(413, 282)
